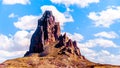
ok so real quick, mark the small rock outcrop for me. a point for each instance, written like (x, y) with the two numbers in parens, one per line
(47, 32)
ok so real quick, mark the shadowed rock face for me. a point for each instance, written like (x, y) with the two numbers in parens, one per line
(47, 32)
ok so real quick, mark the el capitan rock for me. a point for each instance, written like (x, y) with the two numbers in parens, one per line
(50, 49)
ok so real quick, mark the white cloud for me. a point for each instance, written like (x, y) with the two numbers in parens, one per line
(12, 2)
(12, 15)
(10, 55)
(5, 42)
(2, 59)
(88, 53)
(14, 46)
(102, 56)
(76, 36)
(98, 42)
(19, 41)
(106, 17)
(81, 3)
(107, 34)
(28, 22)
(59, 16)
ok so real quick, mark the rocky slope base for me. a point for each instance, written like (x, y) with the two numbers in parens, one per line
(60, 61)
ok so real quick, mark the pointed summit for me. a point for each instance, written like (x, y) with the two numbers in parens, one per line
(47, 13)
(47, 32)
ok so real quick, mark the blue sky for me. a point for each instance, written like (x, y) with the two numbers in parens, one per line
(94, 24)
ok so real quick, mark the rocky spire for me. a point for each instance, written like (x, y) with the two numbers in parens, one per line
(50, 29)
(47, 32)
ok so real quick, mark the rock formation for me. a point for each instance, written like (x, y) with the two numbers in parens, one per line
(47, 32)
(50, 49)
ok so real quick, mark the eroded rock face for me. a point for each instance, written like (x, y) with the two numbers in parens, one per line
(47, 32)
(50, 29)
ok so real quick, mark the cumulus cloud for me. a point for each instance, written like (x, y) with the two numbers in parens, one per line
(5, 42)
(104, 54)
(98, 42)
(106, 17)
(100, 56)
(27, 22)
(15, 45)
(59, 16)
(19, 41)
(10, 55)
(109, 35)
(81, 3)
(12, 15)
(88, 53)
(12, 2)
(2, 59)
(76, 36)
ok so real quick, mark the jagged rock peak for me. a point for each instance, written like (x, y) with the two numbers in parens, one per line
(47, 14)
(50, 28)
(47, 33)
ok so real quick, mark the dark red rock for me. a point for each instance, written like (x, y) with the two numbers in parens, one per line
(2, 65)
(47, 31)
(77, 50)
(67, 46)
